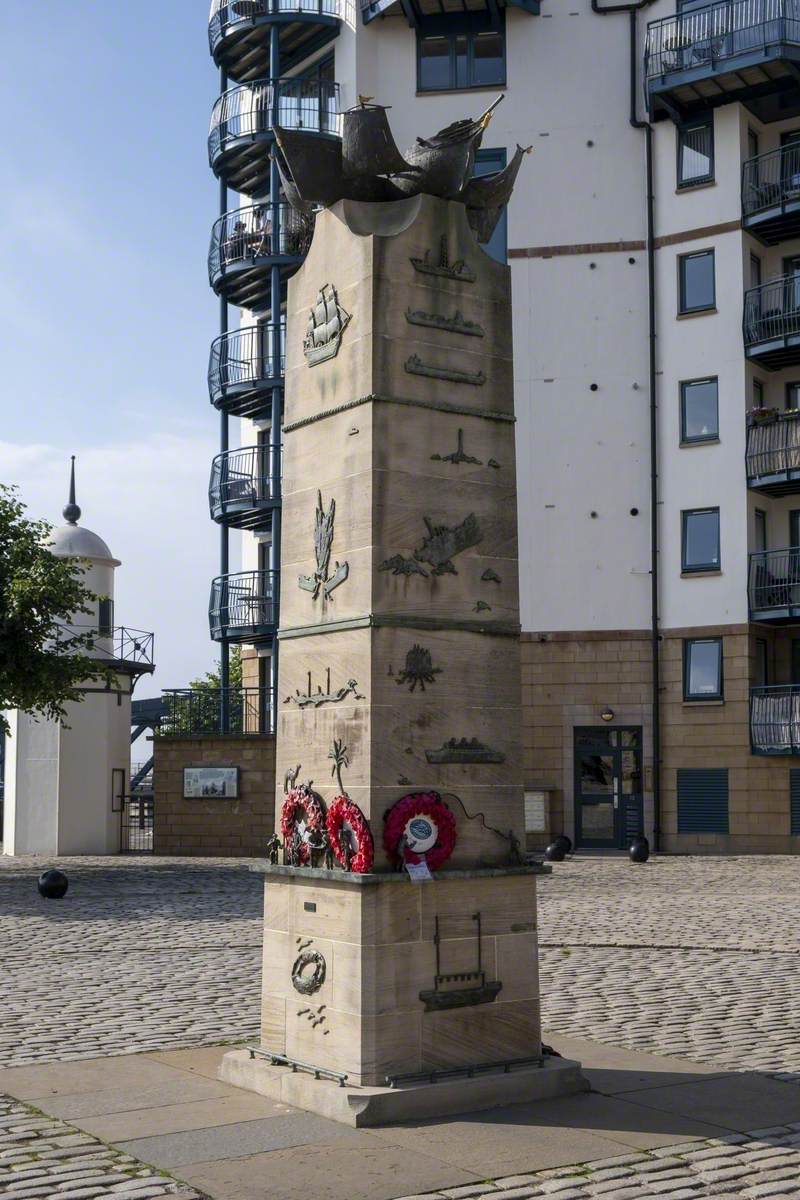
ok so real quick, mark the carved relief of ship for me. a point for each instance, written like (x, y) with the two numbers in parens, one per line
(327, 322)
(464, 750)
(455, 324)
(444, 268)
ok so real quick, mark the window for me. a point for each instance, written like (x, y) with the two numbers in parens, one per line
(702, 669)
(760, 524)
(487, 162)
(699, 410)
(702, 800)
(105, 617)
(793, 394)
(459, 52)
(752, 143)
(696, 152)
(796, 661)
(696, 281)
(755, 271)
(758, 394)
(700, 540)
(762, 665)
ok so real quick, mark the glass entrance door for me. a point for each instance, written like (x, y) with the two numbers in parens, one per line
(608, 787)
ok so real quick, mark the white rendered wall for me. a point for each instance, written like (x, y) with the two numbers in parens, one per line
(31, 786)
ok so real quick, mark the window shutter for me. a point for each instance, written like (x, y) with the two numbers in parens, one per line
(703, 800)
(794, 802)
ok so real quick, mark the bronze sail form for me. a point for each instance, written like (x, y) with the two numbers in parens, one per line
(368, 147)
(487, 195)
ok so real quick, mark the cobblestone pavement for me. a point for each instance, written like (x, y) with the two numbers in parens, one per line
(763, 1165)
(45, 1158)
(693, 957)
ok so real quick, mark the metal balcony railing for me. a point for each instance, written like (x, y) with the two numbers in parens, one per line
(706, 36)
(244, 483)
(193, 712)
(243, 366)
(249, 111)
(771, 181)
(243, 606)
(773, 449)
(227, 16)
(133, 647)
(774, 584)
(245, 236)
(775, 719)
(772, 312)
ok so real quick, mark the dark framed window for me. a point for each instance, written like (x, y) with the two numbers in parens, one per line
(758, 394)
(696, 152)
(460, 51)
(105, 616)
(699, 410)
(762, 662)
(702, 669)
(796, 661)
(487, 162)
(793, 394)
(752, 142)
(760, 526)
(755, 271)
(696, 289)
(700, 539)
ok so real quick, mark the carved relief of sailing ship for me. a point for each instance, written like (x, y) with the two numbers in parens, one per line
(327, 322)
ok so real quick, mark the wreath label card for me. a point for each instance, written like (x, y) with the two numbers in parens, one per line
(418, 872)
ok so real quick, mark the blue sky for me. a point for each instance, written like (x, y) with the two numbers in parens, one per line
(106, 204)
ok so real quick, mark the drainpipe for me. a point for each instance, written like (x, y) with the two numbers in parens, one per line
(632, 10)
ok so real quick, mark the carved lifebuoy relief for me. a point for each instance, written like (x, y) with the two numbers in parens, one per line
(304, 981)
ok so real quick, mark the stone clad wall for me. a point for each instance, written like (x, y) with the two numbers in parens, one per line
(224, 828)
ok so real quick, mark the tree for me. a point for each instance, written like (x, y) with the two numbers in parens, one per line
(42, 660)
(211, 680)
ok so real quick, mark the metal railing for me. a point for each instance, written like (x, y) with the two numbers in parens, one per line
(233, 710)
(227, 15)
(242, 604)
(120, 644)
(773, 446)
(247, 234)
(706, 36)
(775, 719)
(251, 109)
(245, 478)
(772, 311)
(774, 580)
(245, 358)
(770, 180)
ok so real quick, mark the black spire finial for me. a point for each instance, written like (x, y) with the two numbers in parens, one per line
(71, 511)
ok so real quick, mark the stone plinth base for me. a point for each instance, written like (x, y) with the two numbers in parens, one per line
(374, 977)
(385, 1105)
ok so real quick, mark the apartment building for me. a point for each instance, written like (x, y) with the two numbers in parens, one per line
(654, 244)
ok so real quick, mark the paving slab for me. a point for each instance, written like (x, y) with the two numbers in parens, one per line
(357, 1167)
(174, 1089)
(83, 1077)
(199, 1060)
(735, 1101)
(612, 1069)
(179, 1118)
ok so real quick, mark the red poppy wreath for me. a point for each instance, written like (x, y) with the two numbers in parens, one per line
(301, 804)
(346, 823)
(420, 828)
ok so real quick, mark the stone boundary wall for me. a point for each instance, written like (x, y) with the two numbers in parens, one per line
(223, 828)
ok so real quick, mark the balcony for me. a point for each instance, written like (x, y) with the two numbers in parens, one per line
(414, 13)
(244, 607)
(199, 712)
(242, 126)
(773, 454)
(239, 32)
(128, 651)
(775, 719)
(735, 50)
(771, 195)
(247, 243)
(774, 585)
(245, 486)
(771, 324)
(243, 369)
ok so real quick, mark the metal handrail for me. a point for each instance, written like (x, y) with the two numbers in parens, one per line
(772, 311)
(232, 14)
(232, 710)
(119, 644)
(705, 36)
(243, 601)
(246, 234)
(245, 477)
(774, 579)
(295, 103)
(245, 357)
(770, 180)
(773, 446)
(775, 719)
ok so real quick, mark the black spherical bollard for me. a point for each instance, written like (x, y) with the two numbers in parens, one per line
(565, 842)
(555, 852)
(53, 885)
(639, 851)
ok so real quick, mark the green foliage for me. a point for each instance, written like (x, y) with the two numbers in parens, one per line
(210, 680)
(41, 662)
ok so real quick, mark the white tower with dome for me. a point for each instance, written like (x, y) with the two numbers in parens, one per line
(66, 781)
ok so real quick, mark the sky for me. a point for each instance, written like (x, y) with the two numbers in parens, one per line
(106, 206)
